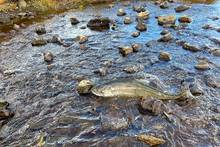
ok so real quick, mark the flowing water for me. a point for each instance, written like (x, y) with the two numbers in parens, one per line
(47, 106)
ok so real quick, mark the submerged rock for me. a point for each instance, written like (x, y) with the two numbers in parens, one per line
(165, 56)
(39, 42)
(125, 50)
(48, 56)
(82, 39)
(191, 47)
(132, 69)
(164, 32)
(40, 30)
(141, 27)
(166, 37)
(101, 71)
(164, 5)
(196, 89)
(184, 19)
(127, 20)
(202, 65)
(74, 21)
(136, 47)
(164, 20)
(182, 8)
(84, 87)
(152, 105)
(139, 8)
(121, 12)
(151, 140)
(99, 23)
(135, 34)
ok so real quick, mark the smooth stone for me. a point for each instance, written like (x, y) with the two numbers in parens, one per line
(74, 21)
(40, 30)
(191, 47)
(143, 15)
(48, 57)
(184, 19)
(216, 52)
(182, 8)
(84, 87)
(151, 140)
(136, 47)
(39, 42)
(99, 23)
(165, 56)
(125, 50)
(121, 12)
(141, 27)
(166, 37)
(135, 34)
(169, 19)
(127, 20)
(164, 5)
(202, 65)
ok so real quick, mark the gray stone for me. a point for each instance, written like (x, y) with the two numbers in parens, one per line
(39, 42)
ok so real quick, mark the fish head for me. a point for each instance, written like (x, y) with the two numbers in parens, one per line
(103, 91)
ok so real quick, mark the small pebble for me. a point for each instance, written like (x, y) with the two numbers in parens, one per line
(202, 65)
(48, 57)
(166, 37)
(141, 27)
(127, 20)
(165, 56)
(121, 12)
(125, 50)
(136, 47)
(135, 34)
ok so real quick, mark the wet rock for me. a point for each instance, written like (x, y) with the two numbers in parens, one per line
(143, 15)
(102, 71)
(48, 57)
(164, 20)
(202, 65)
(39, 42)
(141, 27)
(182, 8)
(121, 12)
(135, 34)
(82, 39)
(164, 5)
(132, 69)
(139, 8)
(151, 140)
(99, 23)
(184, 19)
(136, 47)
(164, 32)
(165, 56)
(191, 47)
(166, 38)
(84, 87)
(127, 20)
(152, 105)
(125, 50)
(208, 26)
(41, 30)
(16, 27)
(212, 81)
(114, 121)
(74, 21)
(196, 89)
(5, 114)
(216, 52)
(56, 39)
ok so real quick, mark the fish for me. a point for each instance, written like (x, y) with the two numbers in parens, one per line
(134, 88)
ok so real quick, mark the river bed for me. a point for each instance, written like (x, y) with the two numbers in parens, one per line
(44, 97)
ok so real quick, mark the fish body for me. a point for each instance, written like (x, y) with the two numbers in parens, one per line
(134, 88)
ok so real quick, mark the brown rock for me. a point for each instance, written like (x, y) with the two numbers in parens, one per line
(125, 50)
(99, 23)
(48, 57)
(190, 47)
(135, 34)
(136, 47)
(84, 87)
(121, 12)
(185, 19)
(182, 8)
(82, 39)
(164, 20)
(202, 65)
(39, 42)
(143, 15)
(141, 27)
(164, 5)
(127, 20)
(165, 56)
(166, 38)
(151, 140)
